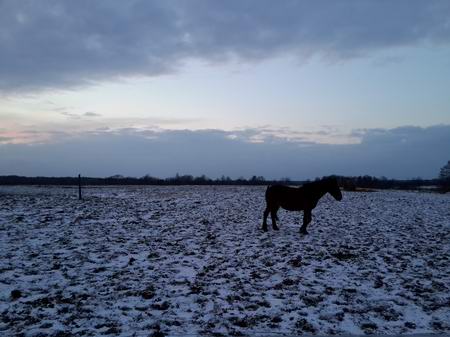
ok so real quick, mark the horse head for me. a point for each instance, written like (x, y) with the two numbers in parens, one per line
(333, 188)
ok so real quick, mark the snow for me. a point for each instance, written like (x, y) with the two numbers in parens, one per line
(131, 261)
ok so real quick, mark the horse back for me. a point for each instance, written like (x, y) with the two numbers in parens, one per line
(289, 198)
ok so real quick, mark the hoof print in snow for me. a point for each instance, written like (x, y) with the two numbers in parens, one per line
(196, 288)
(438, 325)
(44, 302)
(157, 332)
(161, 306)
(303, 325)
(152, 255)
(242, 322)
(410, 325)
(264, 304)
(56, 266)
(233, 332)
(62, 333)
(329, 290)
(173, 323)
(332, 332)
(312, 301)
(340, 316)
(289, 282)
(369, 327)
(378, 282)
(255, 275)
(46, 325)
(343, 255)
(16, 294)
(296, 262)
(113, 331)
(388, 313)
(148, 293)
(99, 270)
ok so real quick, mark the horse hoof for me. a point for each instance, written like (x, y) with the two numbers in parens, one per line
(276, 229)
(303, 232)
(264, 229)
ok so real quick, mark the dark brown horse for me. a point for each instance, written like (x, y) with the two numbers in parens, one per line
(303, 198)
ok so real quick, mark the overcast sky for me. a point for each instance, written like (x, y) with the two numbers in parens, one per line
(276, 88)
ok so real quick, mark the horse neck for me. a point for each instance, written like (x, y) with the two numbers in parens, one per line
(319, 192)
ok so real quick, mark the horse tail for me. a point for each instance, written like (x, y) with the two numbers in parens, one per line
(267, 190)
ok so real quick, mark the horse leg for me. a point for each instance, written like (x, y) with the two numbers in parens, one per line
(266, 214)
(306, 220)
(273, 214)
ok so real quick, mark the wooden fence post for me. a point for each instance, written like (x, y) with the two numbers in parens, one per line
(79, 187)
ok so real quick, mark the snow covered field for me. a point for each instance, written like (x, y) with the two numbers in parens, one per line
(143, 261)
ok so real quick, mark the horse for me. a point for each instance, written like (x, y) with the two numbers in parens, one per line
(303, 198)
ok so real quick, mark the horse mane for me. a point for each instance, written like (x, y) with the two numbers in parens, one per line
(319, 183)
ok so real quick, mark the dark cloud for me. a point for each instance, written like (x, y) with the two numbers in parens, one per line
(5, 139)
(399, 153)
(91, 114)
(58, 44)
(65, 112)
(69, 114)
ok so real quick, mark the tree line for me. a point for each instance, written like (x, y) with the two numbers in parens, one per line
(348, 183)
(145, 180)
(369, 182)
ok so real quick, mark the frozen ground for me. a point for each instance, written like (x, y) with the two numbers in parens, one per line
(143, 261)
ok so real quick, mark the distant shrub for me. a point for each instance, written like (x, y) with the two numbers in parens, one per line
(348, 184)
(444, 185)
